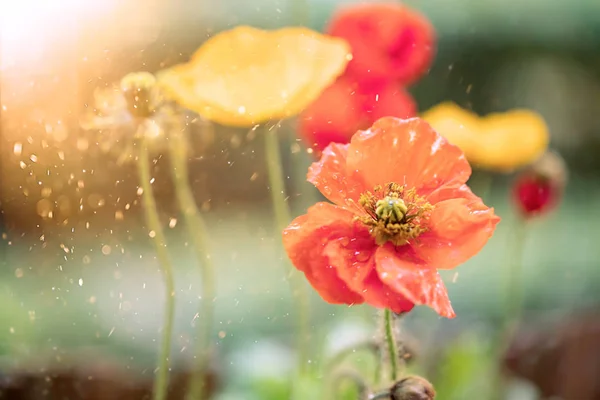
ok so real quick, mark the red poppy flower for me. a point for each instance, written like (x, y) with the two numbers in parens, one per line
(534, 194)
(389, 41)
(401, 210)
(539, 188)
(344, 108)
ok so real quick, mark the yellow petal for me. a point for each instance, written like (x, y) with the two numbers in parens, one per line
(460, 127)
(247, 76)
(511, 140)
(501, 141)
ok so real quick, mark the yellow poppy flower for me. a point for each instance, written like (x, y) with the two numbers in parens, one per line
(246, 76)
(501, 141)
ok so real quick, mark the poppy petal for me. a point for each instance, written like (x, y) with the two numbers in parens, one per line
(334, 117)
(500, 141)
(405, 151)
(500, 132)
(389, 100)
(305, 240)
(459, 126)
(330, 176)
(354, 261)
(412, 278)
(389, 41)
(460, 225)
(289, 67)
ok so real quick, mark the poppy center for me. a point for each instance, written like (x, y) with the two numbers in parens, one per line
(395, 214)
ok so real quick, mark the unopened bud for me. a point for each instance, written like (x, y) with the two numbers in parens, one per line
(412, 388)
(139, 89)
(540, 187)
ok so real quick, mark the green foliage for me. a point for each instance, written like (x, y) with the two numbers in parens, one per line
(466, 370)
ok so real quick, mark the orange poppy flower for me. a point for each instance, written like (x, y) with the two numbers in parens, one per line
(401, 210)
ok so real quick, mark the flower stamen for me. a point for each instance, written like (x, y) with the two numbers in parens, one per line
(395, 214)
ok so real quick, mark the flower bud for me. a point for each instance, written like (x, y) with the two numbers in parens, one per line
(412, 388)
(139, 89)
(539, 188)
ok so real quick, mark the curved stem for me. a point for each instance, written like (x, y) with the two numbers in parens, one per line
(392, 347)
(283, 218)
(197, 231)
(161, 382)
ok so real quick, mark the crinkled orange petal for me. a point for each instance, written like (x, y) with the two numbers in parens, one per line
(245, 76)
(379, 295)
(330, 176)
(305, 240)
(354, 261)
(413, 279)
(460, 225)
(405, 151)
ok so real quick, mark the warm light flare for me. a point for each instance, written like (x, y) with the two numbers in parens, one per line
(29, 27)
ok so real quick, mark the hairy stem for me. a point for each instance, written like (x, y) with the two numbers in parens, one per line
(391, 344)
(161, 382)
(197, 231)
(283, 218)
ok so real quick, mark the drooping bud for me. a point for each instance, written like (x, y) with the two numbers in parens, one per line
(139, 89)
(412, 388)
(539, 188)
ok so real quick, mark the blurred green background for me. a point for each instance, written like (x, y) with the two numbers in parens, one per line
(86, 279)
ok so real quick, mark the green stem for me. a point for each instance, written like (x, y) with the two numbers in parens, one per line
(283, 218)
(161, 382)
(197, 231)
(392, 347)
(513, 301)
(514, 286)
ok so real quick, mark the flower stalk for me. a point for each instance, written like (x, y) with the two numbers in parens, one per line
(391, 344)
(161, 382)
(513, 285)
(283, 218)
(197, 231)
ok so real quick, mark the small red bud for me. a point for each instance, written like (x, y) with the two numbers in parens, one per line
(539, 188)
